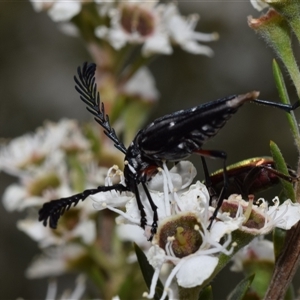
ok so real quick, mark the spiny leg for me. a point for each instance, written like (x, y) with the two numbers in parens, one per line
(54, 209)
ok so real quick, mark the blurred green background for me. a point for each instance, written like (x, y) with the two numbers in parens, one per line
(37, 64)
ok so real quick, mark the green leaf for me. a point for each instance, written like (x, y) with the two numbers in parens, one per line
(284, 97)
(241, 289)
(263, 270)
(77, 173)
(275, 30)
(291, 11)
(281, 166)
(148, 272)
(278, 240)
(206, 293)
(93, 138)
(136, 113)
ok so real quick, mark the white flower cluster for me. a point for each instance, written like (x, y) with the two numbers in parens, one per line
(54, 162)
(258, 249)
(182, 238)
(180, 203)
(42, 163)
(155, 26)
(58, 10)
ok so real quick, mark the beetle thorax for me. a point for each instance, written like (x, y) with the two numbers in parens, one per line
(137, 166)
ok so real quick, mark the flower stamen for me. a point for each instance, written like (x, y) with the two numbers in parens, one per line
(248, 210)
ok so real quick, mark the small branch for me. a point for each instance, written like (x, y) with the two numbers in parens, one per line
(286, 266)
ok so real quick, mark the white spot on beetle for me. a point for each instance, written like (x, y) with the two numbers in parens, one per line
(172, 124)
(206, 127)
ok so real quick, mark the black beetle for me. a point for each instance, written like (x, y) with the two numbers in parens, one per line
(172, 138)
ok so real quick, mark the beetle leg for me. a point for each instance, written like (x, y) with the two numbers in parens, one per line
(222, 155)
(140, 206)
(154, 209)
(290, 178)
(208, 183)
(286, 107)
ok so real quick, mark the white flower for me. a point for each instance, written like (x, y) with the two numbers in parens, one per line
(156, 26)
(286, 215)
(45, 185)
(135, 22)
(113, 199)
(157, 43)
(186, 269)
(76, 294)
(69, 29)
(105, 6)
(22, 152)
(40, 162)
(29, 152)
(183, 214)
(142, 85)
(80, 226)
(181, 31)
(262, 219)
(55, 261)
(13, 197)
(258, 249)
(58, 10)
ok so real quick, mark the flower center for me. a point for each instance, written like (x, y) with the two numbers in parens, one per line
(37, 187)
(179, 233)
(136, 19)
(254, 220)
(36, 159)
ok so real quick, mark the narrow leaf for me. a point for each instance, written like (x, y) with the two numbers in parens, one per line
(281, 166)
(284, 97)
(148, 272)
(206, 294)
(241, 289)
(278, 241)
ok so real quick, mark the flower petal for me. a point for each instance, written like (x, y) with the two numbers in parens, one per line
(64, 11)
(196, 270)
(13, 196)
(132, 233)
(195, 198)
(290, 214)
(187, 172)
(112, 198)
